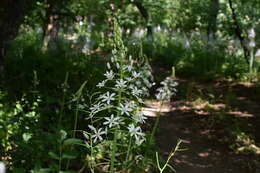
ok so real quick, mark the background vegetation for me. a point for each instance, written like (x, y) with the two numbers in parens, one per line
(53, 54)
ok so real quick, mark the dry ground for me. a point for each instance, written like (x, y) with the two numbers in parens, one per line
(219, 124)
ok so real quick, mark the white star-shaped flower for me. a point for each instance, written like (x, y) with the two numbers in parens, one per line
(135, 74)
(125, 108)
(107, 97)
(109, 75)
(136, 91)
(139, 117)
(129, 68)
(120, 83)
(139, 140)
(135, 131)
(112, 121)
(97, 133)
(101, 84)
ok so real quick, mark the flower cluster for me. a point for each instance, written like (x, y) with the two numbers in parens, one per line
(117, 109)
(167, 90)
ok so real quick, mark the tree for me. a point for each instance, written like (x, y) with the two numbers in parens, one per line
(213, 13)
(12, 13)
(238, 31)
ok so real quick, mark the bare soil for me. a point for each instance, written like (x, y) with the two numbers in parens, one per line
(209, 117)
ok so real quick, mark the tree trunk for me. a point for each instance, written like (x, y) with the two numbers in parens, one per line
(213, 13)
(12, 13)
(146, 16)
(238, 31)
(50, 33)
(50, 28)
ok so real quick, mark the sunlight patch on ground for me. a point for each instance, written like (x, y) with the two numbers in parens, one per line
(240, 114)
(152, 109)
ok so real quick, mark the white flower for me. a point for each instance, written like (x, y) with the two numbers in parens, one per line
(95, 108)
(136, 91)
(161, 95)
(109, 75)
(251, 44)
(112, 121)
(131, 86)
(129, 68)
(81, 106)
(129, 79)
(107, 97)
(144, 89)
(120, 83)
(173, 84)
(140, 100)
(2, 167)
(130, 58)
(114, 51)
(147, 83)
(135, 74)
(148, 73)
(131, 105)
(125, 108)
(97, 133)
(251, 33)
(135, 131)
(139, 140)
(139, 117)
(86, 135)
(112, 59)
(101, 84)
(167, 90)
(138, 83)
(257, 54)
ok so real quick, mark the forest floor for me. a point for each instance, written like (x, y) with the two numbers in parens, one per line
(219, 125)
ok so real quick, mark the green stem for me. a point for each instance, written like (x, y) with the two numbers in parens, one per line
(251, 61)
(156, 123)
(168, 159)
(76, 120)
(114, 147)
(63, 98)
(60, 158)
(113, 153)
(74, 128)
(128, 149)
(91, 154)
(171, 155)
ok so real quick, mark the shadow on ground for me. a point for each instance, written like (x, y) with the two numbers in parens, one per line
(218, 123)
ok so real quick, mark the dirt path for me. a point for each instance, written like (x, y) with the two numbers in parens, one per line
(210, 118)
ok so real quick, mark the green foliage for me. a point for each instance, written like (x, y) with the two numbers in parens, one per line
(36, 103)
(195, 57)
(46, 96)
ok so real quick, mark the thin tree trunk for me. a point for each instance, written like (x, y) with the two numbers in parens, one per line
(50, 27)
(50, 33)
(12, 13)
(146, 16)
(238, 31)
(213, 13)
(46, 33)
